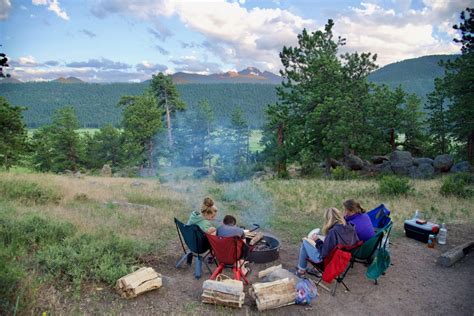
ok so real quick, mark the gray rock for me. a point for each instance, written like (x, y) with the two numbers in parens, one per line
(137, 184)
(443, 163)
(419, 161)
(422, 171)
(378, 159)
(353, 162)
(462, 166)
(401, 161)
(201, 173)
(383, 168)
(106, 171)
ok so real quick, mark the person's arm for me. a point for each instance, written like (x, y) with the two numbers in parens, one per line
(329, 243)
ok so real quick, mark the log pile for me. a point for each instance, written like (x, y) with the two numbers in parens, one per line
(255, 239)
(227, 293)
(138, 282)
(450, 257)
(274, 294)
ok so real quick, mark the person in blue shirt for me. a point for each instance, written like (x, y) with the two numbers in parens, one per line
(355, 214)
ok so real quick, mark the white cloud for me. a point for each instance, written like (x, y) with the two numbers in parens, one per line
(403, 34)
(25, 61)
(53, 5)
(5, 7)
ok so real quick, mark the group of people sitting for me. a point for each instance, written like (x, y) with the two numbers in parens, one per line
(345, 228)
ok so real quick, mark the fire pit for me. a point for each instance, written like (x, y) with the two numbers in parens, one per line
(266, 250)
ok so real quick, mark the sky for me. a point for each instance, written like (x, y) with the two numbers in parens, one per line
(128, 41)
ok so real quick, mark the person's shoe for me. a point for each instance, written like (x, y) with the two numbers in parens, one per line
(298, 272)
(210, 259)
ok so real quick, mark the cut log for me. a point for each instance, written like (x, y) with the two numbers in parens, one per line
(256, 239)
(138, 282)
(227, 293)
(450, 257)
(269, 270)
(274, 294)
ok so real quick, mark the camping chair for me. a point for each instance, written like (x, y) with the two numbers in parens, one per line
(342, 267)
(197, 243)
(367, 251)
(380, 217)
(227, 251)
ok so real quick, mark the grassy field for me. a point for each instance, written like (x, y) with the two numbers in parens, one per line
(81, 230)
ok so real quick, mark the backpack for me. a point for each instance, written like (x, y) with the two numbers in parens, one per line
(379, 265)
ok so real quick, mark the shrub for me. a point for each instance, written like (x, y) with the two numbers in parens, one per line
(28, 192)
(393, 185)
(341, 173)
(460, 184)
(231, 173)
(11, 274)
(91, 257)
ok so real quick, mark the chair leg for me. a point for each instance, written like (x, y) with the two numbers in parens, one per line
(198, 267)
(335, 288)
(236, 273)
(180, 261)
(345, 286)
(216, 272)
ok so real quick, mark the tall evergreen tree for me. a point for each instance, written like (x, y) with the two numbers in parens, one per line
(141, 122)
(104, 147)
(13, 133)
(437, 121)
(168, 99)
(412, 126)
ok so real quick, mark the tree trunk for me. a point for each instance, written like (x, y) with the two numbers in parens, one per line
(470, 147)
(328, 166)
(392, 139)
(150, 155)
(168, 123)
(281, 165)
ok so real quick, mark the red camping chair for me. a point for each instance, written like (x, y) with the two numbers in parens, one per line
(336, 264)
(227, 251)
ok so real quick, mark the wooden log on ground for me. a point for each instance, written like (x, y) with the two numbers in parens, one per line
(138, 282)
(227, 293)
(450, 257)
(274, 294)
(269, 270)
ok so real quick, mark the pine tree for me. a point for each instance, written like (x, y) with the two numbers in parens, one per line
(437, 119)
(168, 99)
(13, 133)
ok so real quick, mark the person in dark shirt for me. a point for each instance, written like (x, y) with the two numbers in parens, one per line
(229, 228)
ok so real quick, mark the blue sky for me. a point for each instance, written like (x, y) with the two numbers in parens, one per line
(116, 40)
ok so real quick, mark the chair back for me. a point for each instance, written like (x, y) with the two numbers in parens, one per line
(380, 217)
(193, 236)
(227, 250)
(367, 250)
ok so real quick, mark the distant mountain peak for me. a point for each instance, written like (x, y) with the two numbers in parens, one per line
(247, 75)
(251, 71)
(68, 80)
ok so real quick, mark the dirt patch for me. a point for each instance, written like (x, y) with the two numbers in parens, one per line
(414, 284)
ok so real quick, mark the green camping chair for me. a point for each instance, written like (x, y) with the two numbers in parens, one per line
(371, 248)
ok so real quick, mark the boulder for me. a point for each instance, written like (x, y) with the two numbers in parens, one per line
(422, 171)
(294, 172)
(106, 171)
(384, 168)
(462, 166)
(419, 161)
(401, 161)
(443, 163)
(377, 160)
(353, 162)
(201, 173)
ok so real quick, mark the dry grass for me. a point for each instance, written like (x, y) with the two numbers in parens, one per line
(300, 203)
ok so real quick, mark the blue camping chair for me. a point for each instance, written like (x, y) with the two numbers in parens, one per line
(380, 217)
(197, 243)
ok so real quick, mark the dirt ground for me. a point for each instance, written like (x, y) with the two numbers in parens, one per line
(413, 285)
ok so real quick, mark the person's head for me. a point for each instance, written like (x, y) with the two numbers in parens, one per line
(332, 216)
(229, 220)
(208, 210)
(352, 207)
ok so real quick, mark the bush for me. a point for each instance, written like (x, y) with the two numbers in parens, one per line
(393, 185)
(230, 173)
(11, 274)
(28, 192)
(91, 257)
(460, 184)
(341, 173)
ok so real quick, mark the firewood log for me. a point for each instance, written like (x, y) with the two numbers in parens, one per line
(269, 270)
(227, 293)
(274, 294)
(256, 239)
(138, 282)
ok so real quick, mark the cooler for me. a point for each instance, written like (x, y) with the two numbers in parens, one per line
(418, 231)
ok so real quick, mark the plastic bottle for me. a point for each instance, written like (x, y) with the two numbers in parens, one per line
(417, 215)
(443, 234)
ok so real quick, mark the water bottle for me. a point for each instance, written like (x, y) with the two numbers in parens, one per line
(417, 215)
(443, 233)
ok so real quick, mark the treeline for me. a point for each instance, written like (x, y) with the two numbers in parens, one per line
(96, 104)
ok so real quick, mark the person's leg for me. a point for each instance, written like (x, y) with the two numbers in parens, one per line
(307, 251)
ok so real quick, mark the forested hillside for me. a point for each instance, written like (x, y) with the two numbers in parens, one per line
(414, 75)
(95, 104)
